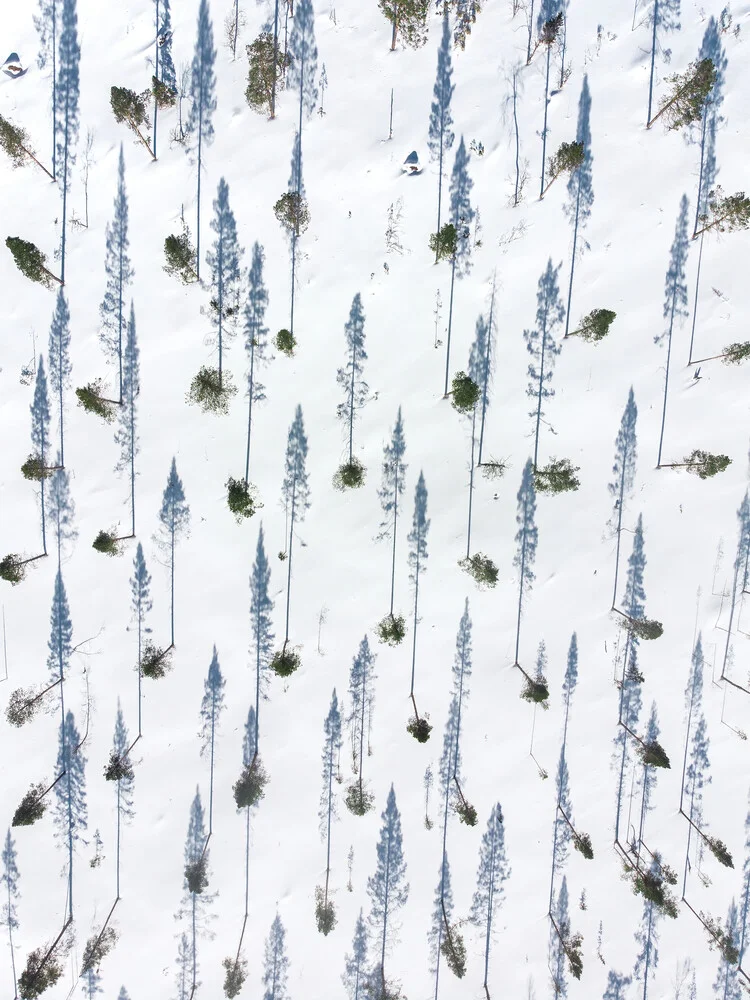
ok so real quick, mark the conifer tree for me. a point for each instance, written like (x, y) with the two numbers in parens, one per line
(261, 606)
(120, 770)
(462, 214)
(212, 706)
(16, 143)
(199, 124)
(126, 436)
(442, 934)
(526, 542)
(174, 521)
(356, 976)
(325, 912)
(67, 111)
(141, 604)
(295, 491)
(224, 261)
(119, 275)
(493, 871)
(256, 339)
(276, 963)
(549, 23)
(387, 887)
(195, 882)
(349, 377)
(361, 701)
(10, 894)
(71, 814)
(417, 558)
(37, 462)
(390, 493)
(408, 19)
(541, 345)
(58, 359)
(580, 186)
(164, 81)
(665, 16)
(440, 133)
(675, 300)
(623, 473)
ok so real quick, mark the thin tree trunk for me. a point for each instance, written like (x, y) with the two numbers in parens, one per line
(120, 321)
(289, 567)
(64, 205)
(440, 173)
(251, 381)
(395, 29)
(450, 325)
(653, 59)
(54, 89)
(41, 165)
(351, 407)
(666, 378)
(363, 699)
(471, 484)
(515, 124)
(395, 518)
(275, 57)
(619, 531)
(488, 935)
(140, 670)
(573, 257)
(541, 387)
(198, 205)
(156, 70)
(531, 28)
(414, 640)
(486, 373)
(330, 806)
(117, 863)
(544, 130)
(172, 580)
(10, 943)
(211, 772)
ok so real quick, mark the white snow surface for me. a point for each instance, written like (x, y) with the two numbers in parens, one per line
(639, 177)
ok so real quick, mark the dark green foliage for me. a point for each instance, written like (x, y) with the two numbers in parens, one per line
(249, 788)
(409, 20)
(642, 628)
(155, 662)
(652, 754)
(493, 469)
(196, 874)
(13, 140)
(465, 393)
(286, 661)
(285, 342)
(164, 95)
(292, 212)
(97, 948)
(91, 399)
(349, 476)
(241, 499)
(735, 354)
(690, 90)
(236, 974)
(654, 886)
(573, 945)
(595, 325)
(481, 568)
(550, 29)
(260, 73)
(557, 477)
(325, 912)
(535, 691)
(32, 807)
(211, 391)
(419, 728)
(718, 937)
(582, 843)
(131, 108)
(118, 767)
(454, 951)
(704, 465)
(107, 543)
(720, 851)
(180, 256)
(392, 629)
(569, 156)
(466, 813)
(23, 705)
(12, 568)
(34, 468)
(36, 978)
(30, 260)
(445, 242)
(358, 800)
(726, 214)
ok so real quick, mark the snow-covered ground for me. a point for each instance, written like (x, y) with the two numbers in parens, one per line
(352, 174)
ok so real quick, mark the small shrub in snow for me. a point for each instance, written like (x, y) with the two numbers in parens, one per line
(31, 808)
(118, 767)
(196, 874)
(180, 256)
(720, 851)
(535, 691)
(91, 399)
(652, 754)
(241, 499)
(107, 543)
(35, 469)
(419, 728)
(705, 465)
(582, 843)
(642, 628)
(325, 912)
(454, 951)
(392, 629)
(292, 212)
(211, 391)
(164, 96)
(12, 568)
(349, 476)
(595, 325)
(493, 469)
(481, 569)
(236, 974)
(464, 393)
(358, 800)
(249, 788)
(445, 242)
(466, 813)
(155, 662)
(285, 342)
(286, 661)
(557, 477)
(23, 705)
